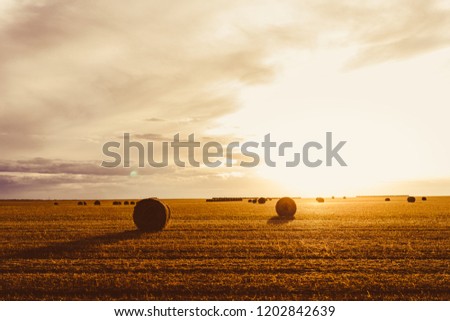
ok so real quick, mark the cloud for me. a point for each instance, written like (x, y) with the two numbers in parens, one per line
(44, 178)
(93, 69)
(384, 30)
(85, 68)
(86, 168)
(155, 119)
(51, 166)
(149, 137)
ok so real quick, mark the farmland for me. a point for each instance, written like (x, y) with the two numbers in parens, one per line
(342, 249)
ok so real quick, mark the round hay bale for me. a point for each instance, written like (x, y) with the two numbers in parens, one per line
(286, 207)
(345, 197)
(84, 203)
(132, 203)
(387, 199)
(424, 198)
(261, 200)
(80, 203)
(411, 199)
(254, 201)
(97, 202)
(320, 199)
(332, 197)
(56, 203)
(151, 215)
(126, 203)
(249, 201)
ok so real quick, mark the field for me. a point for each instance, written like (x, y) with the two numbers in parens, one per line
(343, 249)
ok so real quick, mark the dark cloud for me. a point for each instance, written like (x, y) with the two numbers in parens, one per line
(83, 182)
(40, 185)
(56, 166)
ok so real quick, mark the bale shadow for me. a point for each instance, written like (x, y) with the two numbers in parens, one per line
(278, 220)
(59, 249)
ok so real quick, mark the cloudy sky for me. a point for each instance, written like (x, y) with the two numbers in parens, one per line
(77, 74)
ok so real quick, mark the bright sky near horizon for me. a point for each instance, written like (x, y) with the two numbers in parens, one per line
(77, 74)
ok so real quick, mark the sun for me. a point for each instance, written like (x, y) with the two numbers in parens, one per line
(308, 182)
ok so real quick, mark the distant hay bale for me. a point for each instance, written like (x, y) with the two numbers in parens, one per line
(117, 203)
(225, 199)
(411, 199)
(254, 201)
(332, 197)
(286, 207)
(249, 201)
(56, 203)
(387, 199)
(151, 215)
(261, 200)
(126, 203)
(424, 198)
(320, 199)
(132, 203)
(344, 197)
(80, 203)
(97, 202)
(84, 203)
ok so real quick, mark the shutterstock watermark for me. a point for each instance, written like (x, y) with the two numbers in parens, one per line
(215, 154)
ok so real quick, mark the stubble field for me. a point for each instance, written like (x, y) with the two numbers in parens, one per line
(353, 249)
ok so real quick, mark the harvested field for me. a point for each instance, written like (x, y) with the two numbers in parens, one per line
(343, 249)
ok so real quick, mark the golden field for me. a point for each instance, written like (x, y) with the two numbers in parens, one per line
(343, 249)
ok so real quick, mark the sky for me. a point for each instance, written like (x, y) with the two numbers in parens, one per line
(77, 74)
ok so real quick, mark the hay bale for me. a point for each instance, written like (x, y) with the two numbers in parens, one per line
(320, 199)
(80, 203)
(97, 202)
(117, 203)
(387, 199)
(126, 203)
(254, 201)
(132, 203)
(249, 201)
(332, 197)
(286, 207)
(151, 215)
(261, 200)
(345, 197)
(424, 198)
(411, 199)
(84, 203)
(56, 203)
